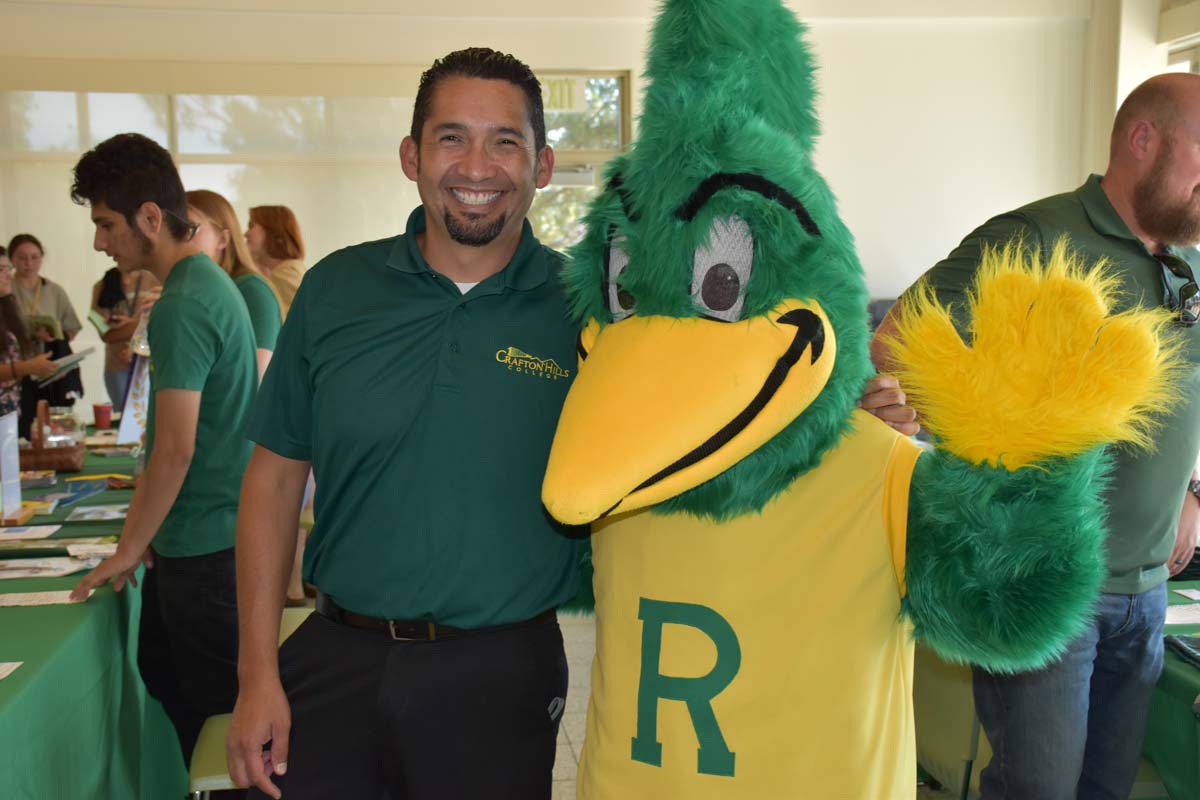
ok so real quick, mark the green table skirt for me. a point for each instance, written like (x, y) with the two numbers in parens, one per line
(1173, 731)
(75, 719)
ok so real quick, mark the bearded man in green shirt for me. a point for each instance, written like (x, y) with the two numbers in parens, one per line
(1075, 728)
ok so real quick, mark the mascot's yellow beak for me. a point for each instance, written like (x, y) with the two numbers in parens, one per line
(662, 404)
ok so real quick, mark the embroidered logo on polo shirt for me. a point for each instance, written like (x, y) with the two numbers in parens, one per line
(518, 360)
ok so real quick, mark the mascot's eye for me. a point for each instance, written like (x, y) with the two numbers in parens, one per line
(721, 269)
(620, 302)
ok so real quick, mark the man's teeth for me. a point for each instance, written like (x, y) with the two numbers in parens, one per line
(474, 198)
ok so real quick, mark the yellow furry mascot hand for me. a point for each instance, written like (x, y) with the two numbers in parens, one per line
(1045, 372)
(1006, 528)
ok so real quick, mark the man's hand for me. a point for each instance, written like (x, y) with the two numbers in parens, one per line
(1185, 539)
(884, 398)
(261, 715)
(119, 567)
(43, 334)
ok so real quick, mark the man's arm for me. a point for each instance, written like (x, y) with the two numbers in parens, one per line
(1189, 526)
(268, 515)
(177, 412)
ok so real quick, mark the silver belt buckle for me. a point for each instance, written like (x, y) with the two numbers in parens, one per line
(395, 638)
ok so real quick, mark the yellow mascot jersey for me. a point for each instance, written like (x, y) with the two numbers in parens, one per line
(764, 657)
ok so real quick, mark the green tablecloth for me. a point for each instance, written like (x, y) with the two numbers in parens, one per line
(75, 720)
(1173, 733)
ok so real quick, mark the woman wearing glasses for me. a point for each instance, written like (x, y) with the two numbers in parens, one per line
(18, 354)
(218, 235)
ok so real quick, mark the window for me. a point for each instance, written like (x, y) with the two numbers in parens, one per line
(587, 123)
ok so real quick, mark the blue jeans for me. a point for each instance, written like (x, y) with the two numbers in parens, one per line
(117, 382)
(1074, 730)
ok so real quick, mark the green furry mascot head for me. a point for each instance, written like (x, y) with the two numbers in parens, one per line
(725, 337)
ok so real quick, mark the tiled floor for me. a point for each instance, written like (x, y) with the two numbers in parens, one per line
(579, 636)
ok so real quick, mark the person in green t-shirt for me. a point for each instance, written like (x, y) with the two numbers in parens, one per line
(182, 518)
(218, 236)
(1075, 728)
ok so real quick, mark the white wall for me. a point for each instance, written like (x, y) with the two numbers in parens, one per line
(931, 127)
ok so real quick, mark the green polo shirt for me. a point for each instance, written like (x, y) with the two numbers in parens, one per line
(201, 341)
(428, 416)
(1146, 490)
(265, 318)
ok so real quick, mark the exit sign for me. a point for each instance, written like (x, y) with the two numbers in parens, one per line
(563, 93)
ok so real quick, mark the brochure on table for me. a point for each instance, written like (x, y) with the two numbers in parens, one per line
(10, 467)
(137, 403)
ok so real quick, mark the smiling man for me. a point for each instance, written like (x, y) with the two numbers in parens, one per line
(421, 377)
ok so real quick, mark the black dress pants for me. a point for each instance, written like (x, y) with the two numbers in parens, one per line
(188, 638)
(473, 717)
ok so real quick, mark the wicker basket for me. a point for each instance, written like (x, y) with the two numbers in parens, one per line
(60, 459)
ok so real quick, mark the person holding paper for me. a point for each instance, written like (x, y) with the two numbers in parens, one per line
(40, 297)
(202, 382)
(50, 318)
(118, 299)
(18, 354)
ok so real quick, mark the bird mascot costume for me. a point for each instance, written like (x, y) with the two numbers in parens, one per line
(765, 553)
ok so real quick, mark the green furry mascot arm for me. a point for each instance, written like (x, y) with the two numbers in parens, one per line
(986, 585)
(1022, 414)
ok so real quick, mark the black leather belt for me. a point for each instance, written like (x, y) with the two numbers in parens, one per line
(409, 630)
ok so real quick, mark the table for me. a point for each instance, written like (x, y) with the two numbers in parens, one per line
(75, 719)
(1173, 733)
(949, 738)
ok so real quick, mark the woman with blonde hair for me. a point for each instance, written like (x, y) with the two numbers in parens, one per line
(278, 249)
(217, 235)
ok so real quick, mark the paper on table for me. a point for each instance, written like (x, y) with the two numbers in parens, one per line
(1184, 615)
(40, 598)
(55, 567)
(99, 513)
(1191, 594)
(27, 532)
(98, 550)
(8, 668)
(13, 549)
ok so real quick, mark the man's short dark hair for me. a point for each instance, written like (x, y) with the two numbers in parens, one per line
(481, 62)
(130, 169)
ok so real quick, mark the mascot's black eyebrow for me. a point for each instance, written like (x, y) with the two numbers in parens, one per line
(617, 184)
(755, 183)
